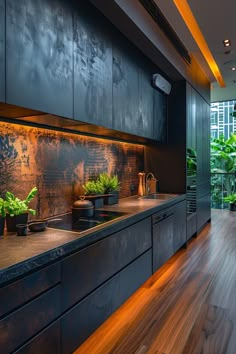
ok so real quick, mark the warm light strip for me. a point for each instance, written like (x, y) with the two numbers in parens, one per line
(189, 19)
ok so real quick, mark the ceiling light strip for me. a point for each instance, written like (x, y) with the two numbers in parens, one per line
(189, 19)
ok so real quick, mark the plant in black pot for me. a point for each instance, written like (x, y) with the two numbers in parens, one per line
(94, 191)
(231, 199)
(2, 216)
(17, 210)
(111, 186)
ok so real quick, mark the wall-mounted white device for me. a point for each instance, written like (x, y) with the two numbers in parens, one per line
(161, 83)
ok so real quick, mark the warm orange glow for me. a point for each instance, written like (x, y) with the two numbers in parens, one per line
(193, 27)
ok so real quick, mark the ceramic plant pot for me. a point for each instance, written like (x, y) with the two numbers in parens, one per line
(232, 206)
(2, 224)
(112, 198)
(12, 221)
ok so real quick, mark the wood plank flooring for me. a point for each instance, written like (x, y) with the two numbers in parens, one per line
(187, 306)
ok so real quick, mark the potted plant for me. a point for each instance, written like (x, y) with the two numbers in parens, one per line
(231, 199)
(17, 210)
(2, 216)
(111, 186)
(94, 191)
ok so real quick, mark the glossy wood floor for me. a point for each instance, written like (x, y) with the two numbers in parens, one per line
(188, 306)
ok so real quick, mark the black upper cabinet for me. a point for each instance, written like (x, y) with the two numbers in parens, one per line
(125, 88)
(39, 55)
(160, 117)
(2, 50)
(92, 67)
(145, 101)
(203, 141)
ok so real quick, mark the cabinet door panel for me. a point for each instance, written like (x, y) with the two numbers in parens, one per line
(85, 270)
(125, 88)
(2, 51)
(180, 237)
(39, 55)
(163, 247)
(89, 314)
(92, 67)
(46, 342)
(145, 101)
(160, 116)
(18, 293)
(24, 323)
(203, 211)
(203, 141)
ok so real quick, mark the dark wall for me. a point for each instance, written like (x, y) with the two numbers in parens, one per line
(2, 50)
(60, 163)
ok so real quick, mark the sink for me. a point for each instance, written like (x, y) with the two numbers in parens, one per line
(159, 196)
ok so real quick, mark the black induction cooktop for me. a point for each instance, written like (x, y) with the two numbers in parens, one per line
(84, 223)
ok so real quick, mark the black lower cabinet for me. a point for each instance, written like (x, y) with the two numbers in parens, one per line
(180, 227)
(83, 319)
(47, 342)
(191, 225)
(27, 321)
(203, 211)
(163, 236)
(168, 232)
(85, 270)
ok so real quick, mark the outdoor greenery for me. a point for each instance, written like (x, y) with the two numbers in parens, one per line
(109, 183)
(230, 198)
(191, 162)
(15, 206)
(223, 169)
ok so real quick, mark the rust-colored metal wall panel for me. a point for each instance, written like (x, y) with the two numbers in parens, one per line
(59, 163)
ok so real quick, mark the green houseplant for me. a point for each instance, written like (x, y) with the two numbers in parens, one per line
(94, 191)
(93, 188)
(111, 185)
(231, 199)
(2, 216)
(17, 210)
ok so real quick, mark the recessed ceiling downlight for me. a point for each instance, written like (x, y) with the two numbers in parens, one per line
(226, 42)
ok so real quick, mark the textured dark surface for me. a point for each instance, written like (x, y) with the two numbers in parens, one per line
(47, 342)
(22, 291)
(125, 87)
(180, 227)
(2, 50)
(105, 258)
(160, 117)
(60, 163)
(39, 55)
(90, 313)
(20, 256)
(14, 334)
(145, 123)
(92, 66)
(163, 236)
